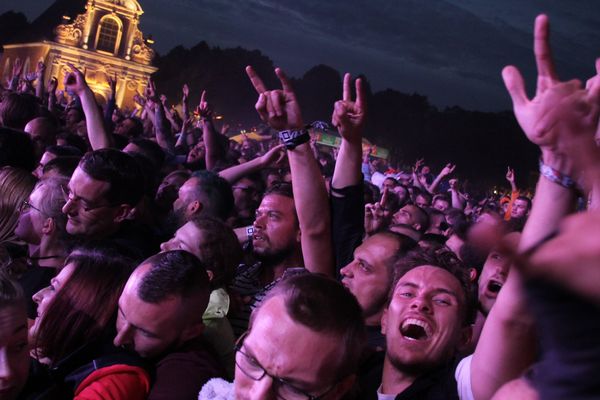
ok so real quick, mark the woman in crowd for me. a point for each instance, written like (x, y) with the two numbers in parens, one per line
(72, 334)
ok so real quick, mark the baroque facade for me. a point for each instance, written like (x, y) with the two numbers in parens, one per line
(103, 41)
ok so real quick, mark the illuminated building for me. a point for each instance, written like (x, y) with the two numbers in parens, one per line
(103, 39)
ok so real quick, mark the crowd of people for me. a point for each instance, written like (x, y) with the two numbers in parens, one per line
(145, 254)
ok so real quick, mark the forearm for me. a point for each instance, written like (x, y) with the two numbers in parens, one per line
(457, 200)
(348, 165)
(99, 138)
(235, 173)
(310, 198)
(39, 89)
(163, 130)
(211, 143)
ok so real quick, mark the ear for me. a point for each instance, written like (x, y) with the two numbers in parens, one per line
(417, 226)
(123, 211)
(384, 317)
(193, 330)
(195, 207)
(210, 274)
(49, 226)
(472, 274)
(298, 236)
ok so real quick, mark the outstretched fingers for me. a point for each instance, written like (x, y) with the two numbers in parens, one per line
(346, 96)
(285, 82)
(360, 94)
(543, 54)
(515, 85)
(255, 79)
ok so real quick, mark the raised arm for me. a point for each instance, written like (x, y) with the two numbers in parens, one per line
(447, 170)
(75, 83)
(543, 119)
(39, 74)
(209, 133)
(458, 200)
(185, 107)
(161, 124)
(280, 109)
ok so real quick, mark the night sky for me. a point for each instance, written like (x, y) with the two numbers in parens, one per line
(451, 51)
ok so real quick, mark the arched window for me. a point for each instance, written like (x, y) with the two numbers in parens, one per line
(108, 35)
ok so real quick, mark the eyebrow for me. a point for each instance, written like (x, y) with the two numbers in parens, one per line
(135, 326)
(436, 290)
(299, 384)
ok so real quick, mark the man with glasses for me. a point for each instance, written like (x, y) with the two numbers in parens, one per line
(304, 341)
(106, 185)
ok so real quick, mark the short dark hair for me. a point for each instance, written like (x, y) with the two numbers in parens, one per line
(138, 127)
(17, 109)
(282, 189)
(16, 149)
(444, 259)
(150, 149)
(323, 305)
(64, 151)
(63, 165)
(120, 170)
(525, 199)
(175, 273)
(216, 192)
(221, 253)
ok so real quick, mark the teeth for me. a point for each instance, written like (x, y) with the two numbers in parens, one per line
(416, 322)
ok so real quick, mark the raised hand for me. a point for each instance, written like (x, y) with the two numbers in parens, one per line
(418, 164)
(204, 109)
(278, 108)
(75, 81)
(453, 184)
(17, 68)
(349, 116)
(163, 100)
(150, 91)
(448, 169)
(52, 85)
(40, 69)
(274, 156)
(186, 91)
(510, 175)
(558, 108)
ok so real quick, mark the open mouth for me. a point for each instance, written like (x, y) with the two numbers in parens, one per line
(415, 329)
(494, 286)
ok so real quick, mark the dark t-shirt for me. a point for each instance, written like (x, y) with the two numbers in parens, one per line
(182, 373)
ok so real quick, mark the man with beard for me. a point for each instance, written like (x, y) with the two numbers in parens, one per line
(292, 226)
(204, 193)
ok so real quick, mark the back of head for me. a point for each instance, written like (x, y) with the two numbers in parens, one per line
(176, 273)
(120, 170)
(323, 305)
(15, 187)
(52, 202)
(61, 166)
(16, 149)
(16, 110)
(215, 193)
(150, 149)
(85, 309)
(220, 251)
(11, 294)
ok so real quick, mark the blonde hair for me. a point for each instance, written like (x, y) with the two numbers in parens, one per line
(15, 186)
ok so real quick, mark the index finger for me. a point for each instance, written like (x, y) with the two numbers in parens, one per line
(203, 97)
(541, 48)
(255, 79)
(346, 87)
(384, 197)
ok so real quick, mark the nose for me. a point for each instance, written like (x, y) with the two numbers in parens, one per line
(37, 297)
(68, 207)
(258, 221)
(166, 246)
(347, 270)
(262, 389)
(421, 304)
(124, 336)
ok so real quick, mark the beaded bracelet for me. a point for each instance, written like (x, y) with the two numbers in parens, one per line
(557, 177)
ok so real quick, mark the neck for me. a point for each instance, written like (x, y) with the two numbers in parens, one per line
(374, 319)
(49, 247)
(394, 381)
(275, 270)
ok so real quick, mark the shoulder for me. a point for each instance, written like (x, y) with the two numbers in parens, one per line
(117, 381)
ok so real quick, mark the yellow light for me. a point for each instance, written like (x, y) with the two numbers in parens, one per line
(219, 117)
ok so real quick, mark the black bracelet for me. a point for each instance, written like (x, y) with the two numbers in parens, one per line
(292, 138)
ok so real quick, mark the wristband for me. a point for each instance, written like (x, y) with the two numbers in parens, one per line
(557, 177)
(292, 138)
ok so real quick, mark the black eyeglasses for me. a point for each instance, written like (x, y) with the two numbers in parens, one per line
(282, 389)
(26, 206)
(69, 196)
